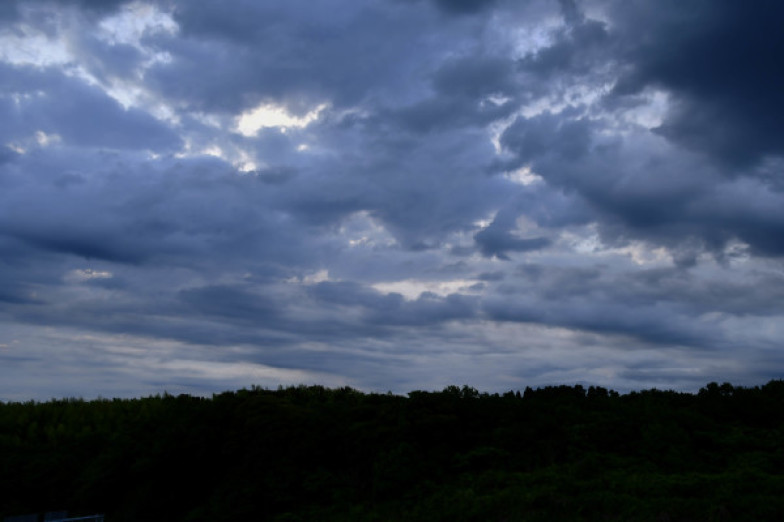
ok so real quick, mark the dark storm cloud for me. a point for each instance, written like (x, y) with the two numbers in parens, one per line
(98, 246)
(310, 53)
(121, 208)
(497, 240)
(721, 61)
(643, 191)
(464, 6)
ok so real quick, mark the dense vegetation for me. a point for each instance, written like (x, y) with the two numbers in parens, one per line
(311, 453)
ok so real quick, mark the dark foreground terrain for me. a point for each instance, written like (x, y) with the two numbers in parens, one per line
(315, 454)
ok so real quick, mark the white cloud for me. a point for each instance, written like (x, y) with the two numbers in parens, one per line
(27, 46)
(135, 21)
(44, 139)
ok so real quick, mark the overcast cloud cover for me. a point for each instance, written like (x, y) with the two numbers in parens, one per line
(389, 194)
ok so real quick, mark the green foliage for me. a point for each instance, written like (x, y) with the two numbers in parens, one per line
(312, 453)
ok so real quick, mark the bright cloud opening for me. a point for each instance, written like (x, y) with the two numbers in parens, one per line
(86, 274)
(411, 288)
(270, 115)
(523, 176)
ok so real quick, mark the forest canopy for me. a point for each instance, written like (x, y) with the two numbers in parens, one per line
(314, 453)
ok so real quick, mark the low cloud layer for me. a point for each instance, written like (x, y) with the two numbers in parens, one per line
(402, 194)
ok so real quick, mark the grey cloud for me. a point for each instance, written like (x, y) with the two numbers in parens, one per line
(579, 49)
(661, 306)
(276, 175)
(354, 294)
(475, 77)
(10, 10)
(571, 12)
(268, 317)
(217, 315)
(80, 114)
(469, 91)
(17, 294)
(430, 310)
(649, 322)
(456, 7)
(230, 302)
(439, 114)
(7, 155)
(110, 60)
(392, 309)
(549, 135)
(397, 182)
(724, 295)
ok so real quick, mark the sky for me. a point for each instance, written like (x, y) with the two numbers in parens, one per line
(199, 196)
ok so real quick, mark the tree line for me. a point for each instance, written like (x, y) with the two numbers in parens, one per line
(309, 453)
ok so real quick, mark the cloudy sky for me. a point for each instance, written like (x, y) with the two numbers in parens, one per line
(197, 196)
